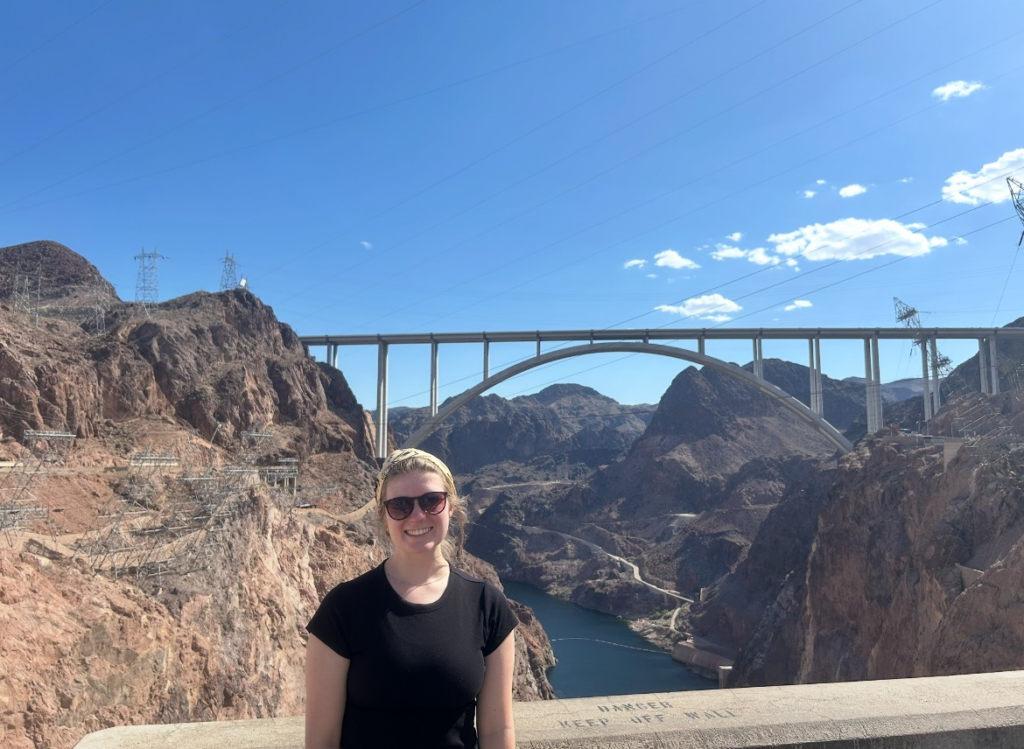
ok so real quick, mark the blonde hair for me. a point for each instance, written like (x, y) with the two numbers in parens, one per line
(411, 460)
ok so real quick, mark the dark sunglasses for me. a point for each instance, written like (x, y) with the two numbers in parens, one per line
(431, 503)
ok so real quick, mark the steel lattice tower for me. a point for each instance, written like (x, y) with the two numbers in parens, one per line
(147, 283)
(1018, 202)
(229, 276)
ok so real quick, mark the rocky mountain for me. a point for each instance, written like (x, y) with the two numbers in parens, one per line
(683, 503)
(161, 567)
(906, 564)
(45, 273)
(560, 425)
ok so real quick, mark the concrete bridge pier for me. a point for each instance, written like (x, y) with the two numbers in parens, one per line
(433, 377)
(988, 365)
(817, 403)
(936, 376)
(758, 358)
(873, 385)
(926, 383)
(983, 366)
(382, 399)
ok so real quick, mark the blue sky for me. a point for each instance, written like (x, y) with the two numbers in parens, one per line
(448, 165)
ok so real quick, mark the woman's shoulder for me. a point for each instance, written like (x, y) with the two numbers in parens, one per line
(366, 583)
(488, 589)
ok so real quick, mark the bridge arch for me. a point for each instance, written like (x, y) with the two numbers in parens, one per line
(635, 347)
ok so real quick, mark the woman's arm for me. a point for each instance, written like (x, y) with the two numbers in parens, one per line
(494, 726)
(326, 679)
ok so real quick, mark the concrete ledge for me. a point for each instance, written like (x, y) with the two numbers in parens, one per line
(983, 711)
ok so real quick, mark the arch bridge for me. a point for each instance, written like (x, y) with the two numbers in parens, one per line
(646, 341)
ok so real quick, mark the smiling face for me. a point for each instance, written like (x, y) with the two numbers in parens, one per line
(419, 533)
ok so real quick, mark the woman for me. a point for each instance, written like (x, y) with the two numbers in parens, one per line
(414, 654)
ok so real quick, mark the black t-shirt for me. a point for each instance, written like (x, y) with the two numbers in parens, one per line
(415, 669)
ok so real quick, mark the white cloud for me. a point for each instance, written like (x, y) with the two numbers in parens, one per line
(634, 264)
(809, 194)
(672, 259)
(851, 191)
(727, 252)
(854, 239)
(713, 307)
(735, 236)
(652, 275)
(797, 304)
(986, 184)
(760, 256)
(960, 241)
(819, 182)
(957, 89)
(907, 180)
(366, 245)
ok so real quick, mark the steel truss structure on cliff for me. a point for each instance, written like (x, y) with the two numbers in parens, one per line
(643, 341)
(164, 519)
(18, 505)
(169, 511)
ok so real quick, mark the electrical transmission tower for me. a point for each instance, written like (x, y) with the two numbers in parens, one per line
(1018, 202)
(229, 275)
(940, 364)
(147, 283)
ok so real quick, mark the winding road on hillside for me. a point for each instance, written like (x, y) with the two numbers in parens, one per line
(597, 549)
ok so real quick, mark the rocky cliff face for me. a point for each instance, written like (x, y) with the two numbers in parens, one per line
(218, 363)
(81, 652)
(173, 593)
(908, 564)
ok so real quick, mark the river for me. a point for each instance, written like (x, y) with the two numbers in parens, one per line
(599, 654)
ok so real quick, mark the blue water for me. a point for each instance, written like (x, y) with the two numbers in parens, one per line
(599, 654)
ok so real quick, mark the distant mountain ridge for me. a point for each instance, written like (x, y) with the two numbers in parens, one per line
(565, 422)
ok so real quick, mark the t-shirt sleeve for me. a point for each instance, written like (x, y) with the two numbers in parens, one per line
(499, 618)
(328, 625)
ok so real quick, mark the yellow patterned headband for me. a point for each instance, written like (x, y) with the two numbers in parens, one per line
(409, 453)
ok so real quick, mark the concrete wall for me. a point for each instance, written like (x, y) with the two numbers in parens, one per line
(952, 712)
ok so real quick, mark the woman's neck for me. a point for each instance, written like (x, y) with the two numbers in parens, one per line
(417, 570)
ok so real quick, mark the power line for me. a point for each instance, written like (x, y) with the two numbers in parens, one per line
(662, 224)
(562, 159)
(227, 102)
(660, 196)
(145, 84)
(53, 38)
(338, 120)
(546, 247)
(537, 128)
(762, 289)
